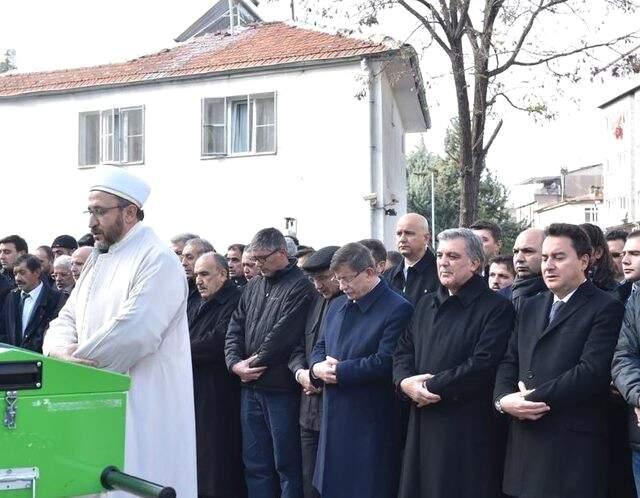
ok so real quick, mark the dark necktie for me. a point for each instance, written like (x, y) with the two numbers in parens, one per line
(23, 297)
(555, 308)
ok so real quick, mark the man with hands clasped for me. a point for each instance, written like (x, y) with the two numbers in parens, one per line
(353, 362)
(445, 364)
(554, 379)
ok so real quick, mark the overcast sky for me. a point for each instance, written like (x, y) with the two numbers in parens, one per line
(70, 33)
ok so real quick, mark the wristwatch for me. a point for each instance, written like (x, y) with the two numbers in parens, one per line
(498, 406)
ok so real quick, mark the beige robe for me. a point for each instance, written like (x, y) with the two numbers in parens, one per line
(127, 312)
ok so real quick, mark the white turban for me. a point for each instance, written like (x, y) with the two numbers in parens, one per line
(117, 181)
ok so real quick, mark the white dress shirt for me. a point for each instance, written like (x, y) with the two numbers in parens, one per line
(29, 304)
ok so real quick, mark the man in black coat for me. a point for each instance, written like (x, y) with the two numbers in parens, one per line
(527, 258)
(264, 330)
(554, 379)
(416, 275)
(445, 364)
(29, 308)
(191, 251)
(317, 267)
(216, 392)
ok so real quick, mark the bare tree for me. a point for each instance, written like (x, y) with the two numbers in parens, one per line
(484, 40)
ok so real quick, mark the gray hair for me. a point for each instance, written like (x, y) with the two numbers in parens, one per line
(63, 261)
(219, 260)
(203, 244)
(473, 243)
(354, 255)
(268, 239)
(183, 238)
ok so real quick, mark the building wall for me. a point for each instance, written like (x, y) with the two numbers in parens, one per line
(621, 168)
(567, 213)
(319, 175)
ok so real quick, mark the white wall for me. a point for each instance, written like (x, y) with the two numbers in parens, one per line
(621, 168)
(568, 213)
(319, 175)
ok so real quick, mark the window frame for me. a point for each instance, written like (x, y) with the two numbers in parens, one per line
(114, 144)
(82, 139)
(229, 102)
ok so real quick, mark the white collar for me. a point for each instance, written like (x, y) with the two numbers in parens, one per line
(35, 292)
(566, 298)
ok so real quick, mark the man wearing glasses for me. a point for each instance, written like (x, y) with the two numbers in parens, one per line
(267, 325)
(353, 363)
(127, 314)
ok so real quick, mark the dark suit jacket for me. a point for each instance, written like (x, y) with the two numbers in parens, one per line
(567, 362)
(49, 303)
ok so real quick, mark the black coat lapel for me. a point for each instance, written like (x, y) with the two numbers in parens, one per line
(577, 301)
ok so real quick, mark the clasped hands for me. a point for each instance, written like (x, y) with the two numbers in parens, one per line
(516, 405)
(326, 370)
(246, 372)
(415, 388)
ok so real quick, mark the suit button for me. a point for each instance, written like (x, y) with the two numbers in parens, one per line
(530, 375)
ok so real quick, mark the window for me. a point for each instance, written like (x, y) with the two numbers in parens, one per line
(89, 152)
(239, 125)
(591, 214)
(113, 136)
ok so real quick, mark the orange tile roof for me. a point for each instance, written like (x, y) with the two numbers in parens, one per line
(257, 46)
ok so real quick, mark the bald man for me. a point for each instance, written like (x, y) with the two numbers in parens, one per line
(527, 258)
(78, 259)
(416, 274)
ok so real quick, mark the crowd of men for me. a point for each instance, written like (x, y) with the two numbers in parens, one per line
(449, 372)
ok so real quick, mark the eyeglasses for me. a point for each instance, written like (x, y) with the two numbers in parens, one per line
(263, 259)
(346, 281)
(99, 212)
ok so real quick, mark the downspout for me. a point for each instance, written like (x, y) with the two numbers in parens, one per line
(374, 149)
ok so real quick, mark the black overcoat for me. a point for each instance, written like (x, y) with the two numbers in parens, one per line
(451, 448)
(565, 453)
(50, 302)
(217, 398)
(422, 278)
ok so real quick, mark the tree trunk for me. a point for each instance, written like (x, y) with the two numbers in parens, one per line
(468, 193)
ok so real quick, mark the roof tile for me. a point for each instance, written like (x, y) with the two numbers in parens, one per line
(259, 45)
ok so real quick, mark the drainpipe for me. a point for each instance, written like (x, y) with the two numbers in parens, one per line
(375, 142)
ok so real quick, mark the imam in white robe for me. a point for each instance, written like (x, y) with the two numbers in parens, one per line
(127, 313)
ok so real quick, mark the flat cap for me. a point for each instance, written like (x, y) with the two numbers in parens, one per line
(64, 241)
(320, 260)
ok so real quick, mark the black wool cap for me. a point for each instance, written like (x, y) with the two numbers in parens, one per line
(64, 241)
(320, 260)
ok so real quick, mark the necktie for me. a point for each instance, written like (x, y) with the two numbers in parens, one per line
(25, 319)
(555, 307)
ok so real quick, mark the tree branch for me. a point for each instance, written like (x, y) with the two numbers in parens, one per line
(525, 32)
(574, 51)
(427, 25)
(612, 63)
(492, 138)
(464, 19)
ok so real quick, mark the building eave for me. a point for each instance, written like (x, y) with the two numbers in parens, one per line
(289, 66)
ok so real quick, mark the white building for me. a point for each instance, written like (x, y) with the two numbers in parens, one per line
(234, 132)
(622, 165)
(572, 197)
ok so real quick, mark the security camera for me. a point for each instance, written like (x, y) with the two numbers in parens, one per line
(372, 198)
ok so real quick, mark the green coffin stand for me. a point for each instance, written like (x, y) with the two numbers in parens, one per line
(61, 425)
